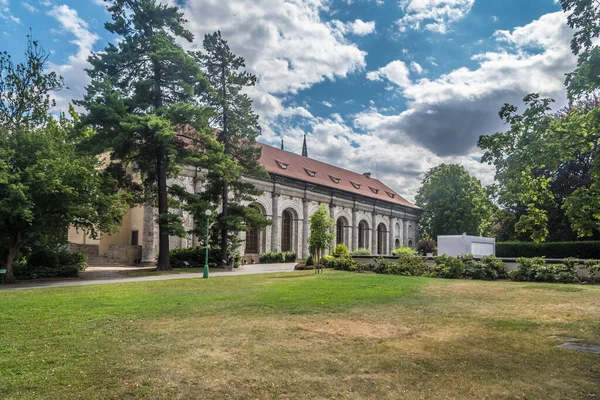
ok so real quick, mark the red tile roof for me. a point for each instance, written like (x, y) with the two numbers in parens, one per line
(285, 163)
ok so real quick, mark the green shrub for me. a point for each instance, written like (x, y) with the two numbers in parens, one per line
(196, 257)
(405, 265)
(342, 263)
(361, 252)
(340, 251)
(582, 250)
(426, 246)
(495, 264)
(276, 257)
(403, 251)
(536, 270)
(488, 268)
(310, 261)
(50, 263)
(448, 267)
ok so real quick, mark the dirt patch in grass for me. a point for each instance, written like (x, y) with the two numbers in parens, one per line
(356, 329)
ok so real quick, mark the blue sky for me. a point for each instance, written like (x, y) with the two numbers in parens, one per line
(395, 87)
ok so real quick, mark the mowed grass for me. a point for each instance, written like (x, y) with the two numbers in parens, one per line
(300, 336)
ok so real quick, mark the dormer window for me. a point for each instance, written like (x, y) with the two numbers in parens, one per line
(334, 179)
(282, 165)
(310, 173)
(356, 185)
(392, 195)
(376, 191)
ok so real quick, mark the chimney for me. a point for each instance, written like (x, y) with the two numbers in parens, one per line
(367, 174)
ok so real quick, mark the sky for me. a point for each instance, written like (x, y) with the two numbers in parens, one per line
(392, 87)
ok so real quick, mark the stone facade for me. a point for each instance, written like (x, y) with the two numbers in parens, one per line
(361, 221)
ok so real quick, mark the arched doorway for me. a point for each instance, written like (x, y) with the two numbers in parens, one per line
(381, 239)
(287, 231)
(363, 235)
(341, 235)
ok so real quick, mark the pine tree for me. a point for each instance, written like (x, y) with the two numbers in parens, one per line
(238, 129)
(142, 103)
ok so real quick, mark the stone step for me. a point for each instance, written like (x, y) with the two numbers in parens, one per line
(99, 261)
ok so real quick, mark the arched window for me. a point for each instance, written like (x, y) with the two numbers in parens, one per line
(286, 231)
(363, 235)
(397, 243)
(411, 235)
(397, 230)
(341, 226)
(381, 239)
(252, 239)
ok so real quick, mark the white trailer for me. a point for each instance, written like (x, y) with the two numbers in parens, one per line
(454, 245)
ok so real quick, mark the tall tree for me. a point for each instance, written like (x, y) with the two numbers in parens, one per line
(46, 184)
(321, 232)
(237, 129)
(142, 103)
(453, 202)
(545, 168)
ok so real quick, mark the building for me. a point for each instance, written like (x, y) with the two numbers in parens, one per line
(367, 213)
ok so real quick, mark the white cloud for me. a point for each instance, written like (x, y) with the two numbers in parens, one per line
(29, 7)
(396, 72)
(327, 104)
(6, 14)
(432, 15)
(73, 71)
(416, 67)
(360, 27)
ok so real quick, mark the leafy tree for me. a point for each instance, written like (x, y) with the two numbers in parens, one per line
(143, 106)
(453, 202)
(25, 89)
(237, 129)
(544, 168)
(321, 232)
(584, 18)
(46, 185)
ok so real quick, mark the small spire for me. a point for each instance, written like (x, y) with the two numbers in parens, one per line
(304, 149)
(282, 148)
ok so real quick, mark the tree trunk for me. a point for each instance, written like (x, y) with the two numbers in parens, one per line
(224, 230)
(164, 263)
(10, 259)
(225, 211)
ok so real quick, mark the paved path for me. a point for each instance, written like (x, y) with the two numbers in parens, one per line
(108, 275)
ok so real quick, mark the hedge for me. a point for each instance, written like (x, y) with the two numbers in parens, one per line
(582, 250)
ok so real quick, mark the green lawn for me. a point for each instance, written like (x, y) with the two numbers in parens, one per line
(299, 335)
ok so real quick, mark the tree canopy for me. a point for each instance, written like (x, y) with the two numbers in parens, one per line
(321, 232)
(453, 203)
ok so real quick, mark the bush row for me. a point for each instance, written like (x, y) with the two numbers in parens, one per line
(583, 250)
(50, 263)
(462, 267)
(273, 257)
(536, 270)
(196, 257)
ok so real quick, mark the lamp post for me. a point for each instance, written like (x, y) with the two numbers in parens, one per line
(208, 214)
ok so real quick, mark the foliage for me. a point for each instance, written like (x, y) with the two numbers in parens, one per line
(50, 263)
(46, 184)
(275, 257)
(310, 261)
(340, 250)
(448, 267)
(236, 127)
(344, 263)
(589, 249)
(453, 202)
(25, 89)
(583, 17)
(545, 168)
(488, 268)
(426, 246)
(321, 232)
(407, 265)
(196, 257)
(142, 104)
(303, 267)
(403, 251)
(536, 270)
(361, 252)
